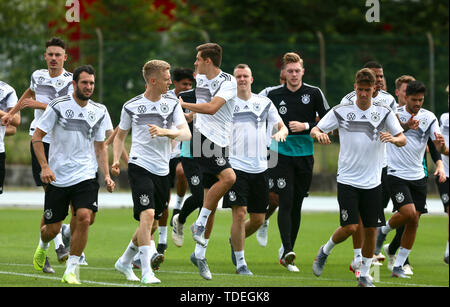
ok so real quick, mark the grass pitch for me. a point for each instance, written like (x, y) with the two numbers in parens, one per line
(113, 228)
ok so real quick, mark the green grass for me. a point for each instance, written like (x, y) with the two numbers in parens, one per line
(113, 228)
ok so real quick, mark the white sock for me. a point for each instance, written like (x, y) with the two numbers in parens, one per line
(72, 263)
(43, 245)
(402, 254)
(58, 240)
(240, 259)
(200, 251)
(162, 230)
(365, 266)
(446, 250)
(386, 229)
(129, 253)
(328, 246)
(179, 202)
(152, 247)
(144, 255)
(203, 217)
(357, 252)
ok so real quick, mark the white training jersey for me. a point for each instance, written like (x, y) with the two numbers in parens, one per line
(74, 129)
(251, 120)
(444, 131)
(46, 89)
(152, 154)
(266, 91)
(361, 152)
(217, 128)
(8, 99)
(382, 97)
(407, 162)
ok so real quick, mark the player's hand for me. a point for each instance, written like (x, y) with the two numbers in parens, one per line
(47, 175)
(110, 184)
(6, 119)
(323, 138)
(413, 123)
(297, 126)
(115, 169)
(440, 172)
(279, 136)
(439, 138)
(386, 137)
(154, 130)
(26, 103)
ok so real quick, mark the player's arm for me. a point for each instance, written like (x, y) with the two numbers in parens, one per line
(204, 108)
(110, 135)
(398, 140)
(282, 133)
(13, 120)
(410, 124)
(189, 117)
(182, 133)
(101, 152)
(439, 142)
(118, 145)
(47, 175)
(320, 136)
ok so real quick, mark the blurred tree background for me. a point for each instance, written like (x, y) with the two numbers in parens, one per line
(333, 37)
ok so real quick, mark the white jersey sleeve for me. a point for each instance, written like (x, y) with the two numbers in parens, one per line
(8, 99)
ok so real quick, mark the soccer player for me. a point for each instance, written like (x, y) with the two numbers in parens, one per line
(215, 97)
(150, 116)
(406, 177)
(46, 85)
(77, 128)
(297, 103)
(8, 99)
(391, 248)
(253, 115)
(378, 96)
(363, 127)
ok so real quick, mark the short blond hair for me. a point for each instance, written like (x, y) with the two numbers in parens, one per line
(292, 57)
(365, 76)
(154, 67)
(403, 79)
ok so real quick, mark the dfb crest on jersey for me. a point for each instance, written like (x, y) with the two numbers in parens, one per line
(144, 200)
(164, 107)
(399, 197)
(423, 123)
(375, 116)
(283, 110)
(214, 85)
(40, 80)
(306, 98)
(59, 83)
(256, 106)
(91, 116)
(351, 116)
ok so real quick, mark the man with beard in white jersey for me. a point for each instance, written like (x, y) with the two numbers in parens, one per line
(364, 127)
(406, 178)
(215, 95)
(46, 85)
(150, 116)
(253, 116)
(77, 126)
